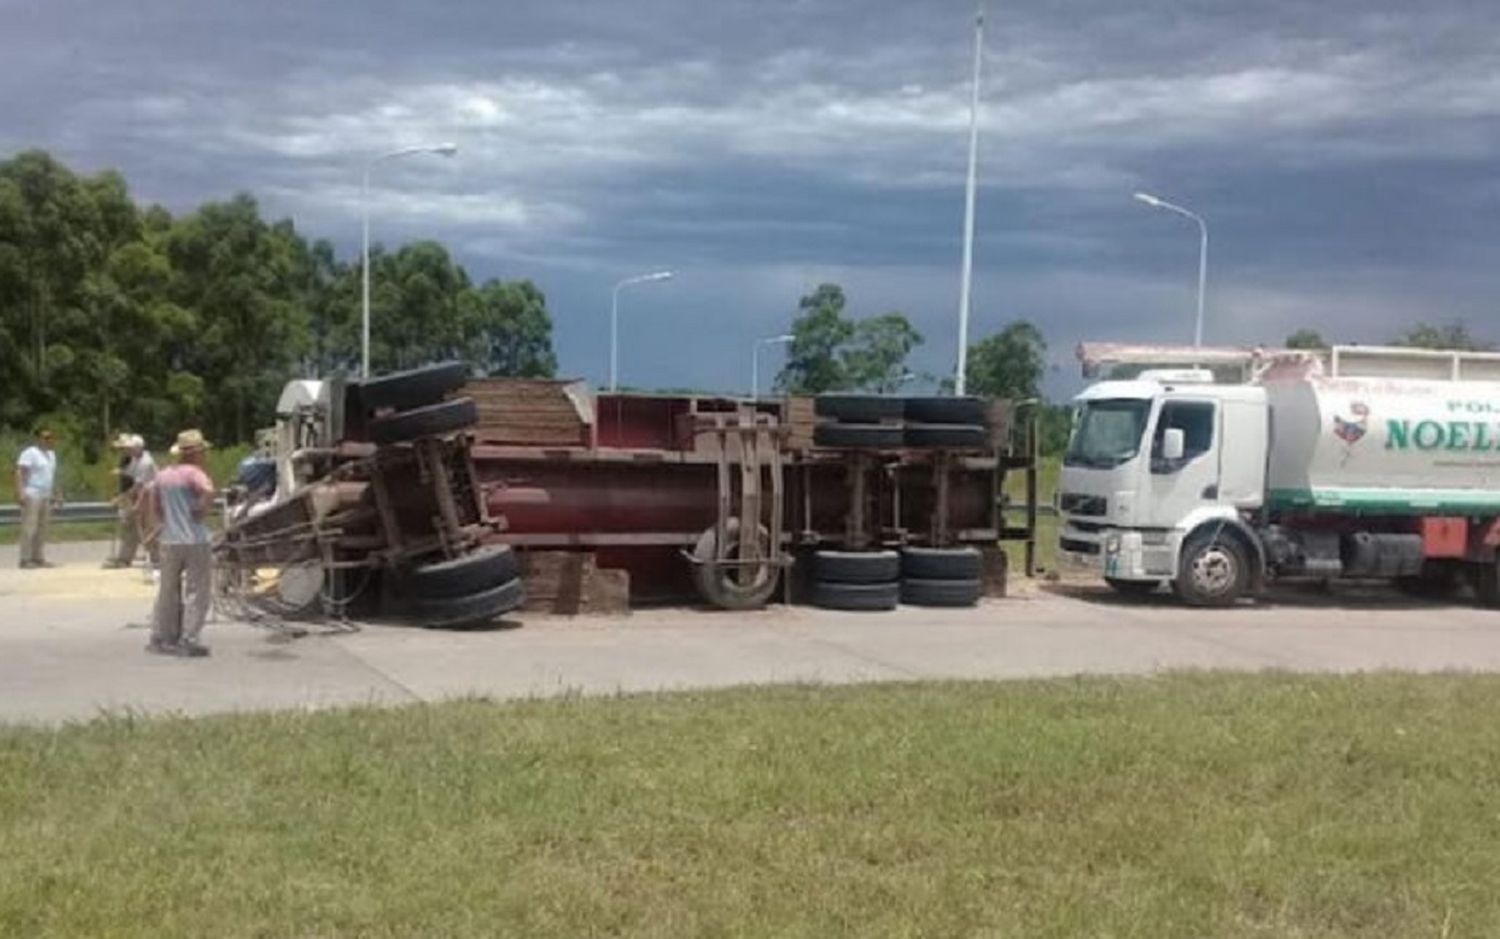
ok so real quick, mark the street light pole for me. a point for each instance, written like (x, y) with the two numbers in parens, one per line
(1159, 203)
(968, 264)
(614, 321)
(442, 149)
(755, 359)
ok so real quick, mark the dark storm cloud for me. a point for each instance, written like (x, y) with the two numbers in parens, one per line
(1342, 151)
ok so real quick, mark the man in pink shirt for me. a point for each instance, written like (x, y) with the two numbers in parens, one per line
(181, 498)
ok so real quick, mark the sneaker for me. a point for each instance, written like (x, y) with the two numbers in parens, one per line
(27, 565)
(114, 564)
(192, 650)
(44, 564)
(156, 647)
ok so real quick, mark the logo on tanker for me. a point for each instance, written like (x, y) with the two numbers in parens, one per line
(1353, 431)
(1472, 426)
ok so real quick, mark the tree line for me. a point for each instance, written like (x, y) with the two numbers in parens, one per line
(117, 316)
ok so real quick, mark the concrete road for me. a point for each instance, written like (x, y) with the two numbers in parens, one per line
(71, 646)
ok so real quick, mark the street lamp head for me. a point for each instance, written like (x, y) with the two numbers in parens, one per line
(659, 275)
(784, 337)
(445, 149)
(1148, 198)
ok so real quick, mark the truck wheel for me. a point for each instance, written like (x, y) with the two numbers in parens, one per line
(733, 586)
(1214, 571)
(473, 610)
(856, 567)
(1487, 583)
(858, 436)
(940, 563)
(1132, 588)
(946, 410)
(462, 576)
(861, 597)
(411, 389)
(955, 593)
(858, 409)
(946, 436)
(1436, 581)
(434, 420)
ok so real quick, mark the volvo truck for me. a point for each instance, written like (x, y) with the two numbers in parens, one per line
(1357, 462)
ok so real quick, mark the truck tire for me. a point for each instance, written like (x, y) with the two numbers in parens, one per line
(472, 610)
(919, 592)
(434, 420)
(938, 410)
(720, 584)
(940, 563)
(858, 436)
(418, 387)
(1437, 581)
(861, 597)
(858, 409)
(856, 567)
(946, 436)
(1132, 588)
(1214, 571)
(1487, 583)
(463, 576)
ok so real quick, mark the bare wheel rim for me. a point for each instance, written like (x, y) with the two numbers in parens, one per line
(1214, 570)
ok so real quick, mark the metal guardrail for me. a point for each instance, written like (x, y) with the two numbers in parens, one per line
(67, 512)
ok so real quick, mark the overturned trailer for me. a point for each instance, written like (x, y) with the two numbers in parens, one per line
(601, 500)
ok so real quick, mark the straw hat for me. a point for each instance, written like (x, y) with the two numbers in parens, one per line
(122, 441)
(189, 440)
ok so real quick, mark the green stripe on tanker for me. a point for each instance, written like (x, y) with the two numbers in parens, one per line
(1390, 501)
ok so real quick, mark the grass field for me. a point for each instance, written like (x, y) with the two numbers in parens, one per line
(1190, 805)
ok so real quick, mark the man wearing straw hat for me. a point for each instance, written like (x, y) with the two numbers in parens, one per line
(136, 472)
(180, 501)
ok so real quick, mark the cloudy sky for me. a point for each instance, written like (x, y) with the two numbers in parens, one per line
(1344, 153)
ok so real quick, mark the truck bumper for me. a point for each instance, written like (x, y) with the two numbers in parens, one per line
(1120, 554)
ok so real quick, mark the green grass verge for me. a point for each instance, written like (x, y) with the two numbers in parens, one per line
(64, 531)
(1191, 805)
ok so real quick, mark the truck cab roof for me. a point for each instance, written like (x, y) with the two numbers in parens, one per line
(1142, 390)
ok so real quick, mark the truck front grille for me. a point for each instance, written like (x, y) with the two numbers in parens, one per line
(1079, 547)
(1074, 503)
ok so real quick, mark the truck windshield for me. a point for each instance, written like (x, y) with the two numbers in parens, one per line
(1109, 432)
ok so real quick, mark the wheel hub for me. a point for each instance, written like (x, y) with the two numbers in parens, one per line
(1214, 571)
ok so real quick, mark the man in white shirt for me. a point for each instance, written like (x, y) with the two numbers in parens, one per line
(136, 472)
(36, 490)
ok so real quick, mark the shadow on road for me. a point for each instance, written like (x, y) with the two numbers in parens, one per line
(1353, 595)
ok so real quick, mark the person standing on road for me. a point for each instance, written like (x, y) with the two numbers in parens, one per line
(36, 491)
(137, 471)
(179, 501)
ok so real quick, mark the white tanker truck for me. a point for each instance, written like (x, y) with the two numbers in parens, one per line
(1359, 462)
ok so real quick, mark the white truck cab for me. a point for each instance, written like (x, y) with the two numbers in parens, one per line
(1156, 463)
(1358, 462)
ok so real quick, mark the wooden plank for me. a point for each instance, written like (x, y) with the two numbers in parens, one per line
(570, 582)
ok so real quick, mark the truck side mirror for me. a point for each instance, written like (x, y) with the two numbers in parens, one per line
(1173, 444)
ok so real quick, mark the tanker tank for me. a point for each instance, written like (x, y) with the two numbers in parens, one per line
(1384, 445)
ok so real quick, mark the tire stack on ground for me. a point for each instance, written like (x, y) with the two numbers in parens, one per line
(856, 580)
(941, 577)
(407, 406)
(945, 423)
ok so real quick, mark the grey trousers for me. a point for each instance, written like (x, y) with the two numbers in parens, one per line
(36, 512)
(183, 597)
(130, 536)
